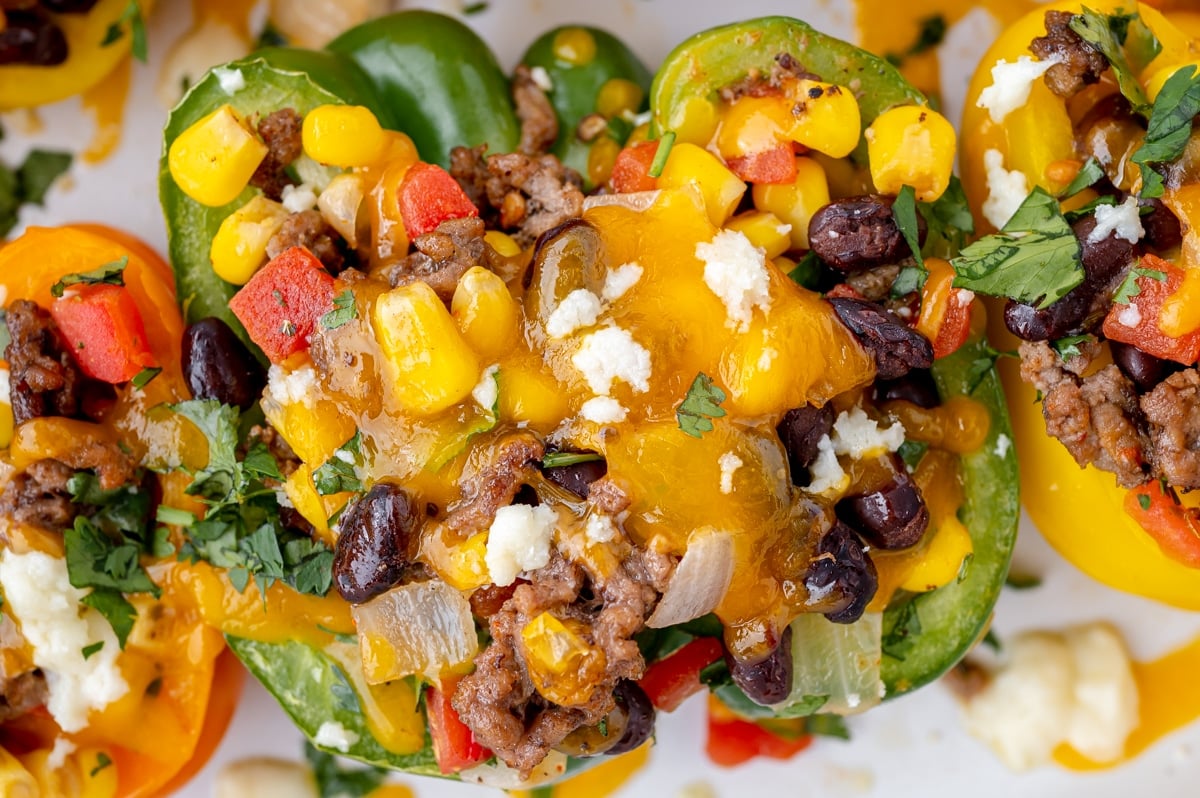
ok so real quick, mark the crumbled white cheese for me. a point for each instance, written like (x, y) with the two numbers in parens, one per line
(611, 354)
(600, 528)
(729, 463)
(264, 777)
(487, 391)
(332, 734)
(1011, 84)
(1003, 444)
(620, 280)
(1006, 190)
(58, 627)
(299, 198)
(231, 81)
(292, 387)
(1123, 220)
(858, 435)
(963, 297)
(736, 271)
(579, 309)
(603, 410)
(5, 387)
(541, 78)
(62, 749)
(1076, 687)
(826, 471)
(519, 540)
(1129, 315)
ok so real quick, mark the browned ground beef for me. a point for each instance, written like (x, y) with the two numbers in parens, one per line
(1079, 65)
(539, 123)
(495, 484)
(442, 257)
(44, 380)
(281, 132)
(38, 496)
(874, 284)
(21, 693)
(1172, 412)
(310, 230)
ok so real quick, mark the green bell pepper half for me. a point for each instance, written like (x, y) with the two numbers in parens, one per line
(575, 87)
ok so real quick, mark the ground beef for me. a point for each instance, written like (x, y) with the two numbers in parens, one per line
(1172, 412)
(1097, 417)
(522, 194)
(1079, 64)
(608, 496)
(281, 132)
(38, 496)
(494, 484)
(441, 257)
(874, 284)
(539, 123)
(309, 229)
(21, 693)
(43, 379)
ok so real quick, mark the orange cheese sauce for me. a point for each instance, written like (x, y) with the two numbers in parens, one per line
(106, 103)
(600, 781)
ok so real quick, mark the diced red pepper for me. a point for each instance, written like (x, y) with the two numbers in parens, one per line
(732, 740)
(776, 165)
(283, 302)
(956, 323)
(1137, 322)
(843, 291)
(454, 745)
(104, 331)
(675, 677)
(1175, 528)
(945, 311)
(428, 196)
(631, 171)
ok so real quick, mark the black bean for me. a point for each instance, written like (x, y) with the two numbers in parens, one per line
(800, 431)
(577, 477)
(859, 232)
(768, 681)
(1104, 259)
(69, 6)
(639, 723)
(842, 575)
(378, 541)
(1161, 225)
(527, 495)
(217, 365)
(893, 516)
(917, 386)
(1045, 324)
(1143, 369)
(896, 347)
(30, 37)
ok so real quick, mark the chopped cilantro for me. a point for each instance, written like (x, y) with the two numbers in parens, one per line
(39, 171)
(143, 377)
(827, 725)
(911, 452)
(115, 608)
(560, 459)
(1144, 501)
(807, 272)
(1088, 174)
(909, 280)
(343, 311)
(94, 648)
(981, 366)
(173, 515)
(132, 16)
(904, 212)
(1068, 347)
(931, 33)
(1170, 126)
(700, 406)
(1107, 33)
(338, 475)
(103, 760)
(334, 780)
(1020, 581)
(660, 154)
(1129, 287)
(112, 273)
(902, 630)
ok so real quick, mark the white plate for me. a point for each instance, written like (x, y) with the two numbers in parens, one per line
(914, 746)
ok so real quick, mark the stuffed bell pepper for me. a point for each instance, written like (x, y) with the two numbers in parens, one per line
(1080, 153)
(724, 421)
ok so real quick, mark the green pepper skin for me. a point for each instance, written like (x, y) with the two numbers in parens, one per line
(704, 64)
(438, 78)
(576, 86)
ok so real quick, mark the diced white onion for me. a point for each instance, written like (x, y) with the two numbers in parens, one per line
(700, 581)
(839, 660)
(634, 201)
(425, 628)
(339, 204)
(502, 777)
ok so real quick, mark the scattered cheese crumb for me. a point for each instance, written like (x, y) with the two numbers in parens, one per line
(541, 78)
(1130, 316)
(299, 198)
(39, 593)
(1011, 84)
(826, 471)
(858, 435)
(579, 309)
(600, 528)
(736, 271)
(519, 540)
(729, 463)
(603, 410)
(1003, 444)
(5, 387)
(620, 280)
(292, 387)
(231, 81)
(1123, 220)
(264, 777)
(487, 391)
(332, 734)
(1006, 190)
(59, 753)
(611, 354)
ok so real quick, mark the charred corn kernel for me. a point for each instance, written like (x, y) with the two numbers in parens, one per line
(825, 117)
(343, 135)
(796, 203)
(503, 243)
(1160, 76)
(619, 96)
(433, 367)
(576, 46)
(314, 430)
(564, 667)
(465, 567)
(530, 395)
(601, 157)
(959, 426)
(694, 121)
(213, 160)
(690, 166)
(940, 563)
(15, 780)
(753, 124)
(765, 230)
(911, 145)
(240, 246)
(485, 312)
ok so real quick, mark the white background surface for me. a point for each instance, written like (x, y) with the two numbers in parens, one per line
(914, 746)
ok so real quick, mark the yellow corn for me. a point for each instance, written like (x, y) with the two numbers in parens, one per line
(911, 145)
(434, 367)
(314, 431)
(343, 135)
(563, 666)
(15, 780)
(240, 246)
(399, 147)
(316, 509)
(576, 46)
(753, 124)
(795, 203)
(465, 567)
(485, 312)
(825, 117)
(601, 157)
(504, 244)
(694, 121)
(692, 167)
(530, 395)
(6, 412)
(764, 229)
(213, 160)
(619, 96)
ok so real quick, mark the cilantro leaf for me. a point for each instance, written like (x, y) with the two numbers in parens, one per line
(132, 16)
(115, 608)
(1170, 126)
(904, 212)
(1107, 34)
(901, 633)
(109, 274)
(826, 725)
(96, 560)
(343, 311)
(560, 459)
(218, 424)
(333, 780)
(39, 171)
(1068, 347)
(143, 377)
(702, 403)
(338, 474)
(1034, 259)
(1129, 287)
(909, 280)
(92, 649)
(807, 272)
(948, 219)
(1088, 174)
(911, 452)
(103, 760)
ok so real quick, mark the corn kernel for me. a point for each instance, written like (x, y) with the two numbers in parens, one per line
(948, 545)
(434, 367)
(911, 145)
(563, 666)
(343, 135)
(314, 431)
(398, 147)
(529, 395)
(619, 96)
(7, 423)
(764, 229)
(753, 124)
(240, 246)
(485, 312)
(504, 244)
(694, 121)
(639, 134)
(601, 157)
(575, 46)
(690, 166)
(825, 117)
(796, 203)
(213, 160)
(467, 566)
